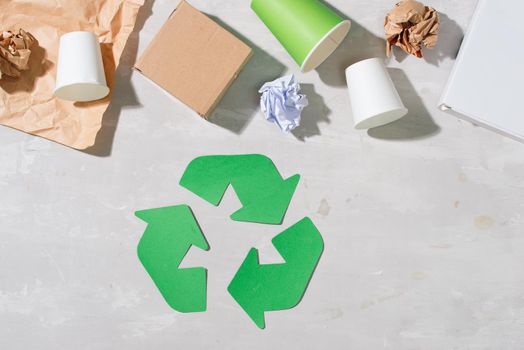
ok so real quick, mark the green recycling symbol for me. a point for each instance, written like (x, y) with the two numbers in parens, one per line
(265, 197)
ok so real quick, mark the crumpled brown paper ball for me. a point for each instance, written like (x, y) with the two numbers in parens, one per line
(15, 50)
(411, 25)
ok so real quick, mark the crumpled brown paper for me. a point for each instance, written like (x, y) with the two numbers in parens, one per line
(411, 25)
(15, 50)
(27, 103)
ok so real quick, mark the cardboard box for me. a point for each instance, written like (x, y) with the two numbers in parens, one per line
(194, 59)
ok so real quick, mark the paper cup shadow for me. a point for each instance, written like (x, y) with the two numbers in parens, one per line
(416, 124)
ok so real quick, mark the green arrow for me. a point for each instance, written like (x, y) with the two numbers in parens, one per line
(264, 194)
(258, 288)
(170, 232)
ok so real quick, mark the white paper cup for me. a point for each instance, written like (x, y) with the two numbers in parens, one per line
(374, 99)
(80, 71)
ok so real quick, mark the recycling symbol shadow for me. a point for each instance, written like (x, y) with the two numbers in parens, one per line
(265, 197)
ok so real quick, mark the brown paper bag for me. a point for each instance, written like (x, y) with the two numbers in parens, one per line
(27, 103)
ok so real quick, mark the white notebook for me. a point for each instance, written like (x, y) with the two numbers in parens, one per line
(486, 85)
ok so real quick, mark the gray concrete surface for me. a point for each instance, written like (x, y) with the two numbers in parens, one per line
(422, 219)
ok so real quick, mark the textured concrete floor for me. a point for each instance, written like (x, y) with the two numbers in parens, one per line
(422, 219)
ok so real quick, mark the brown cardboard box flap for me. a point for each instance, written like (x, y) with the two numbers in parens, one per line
(194, 59)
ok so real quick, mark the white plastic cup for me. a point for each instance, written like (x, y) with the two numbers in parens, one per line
(373, 96)
(80, 71)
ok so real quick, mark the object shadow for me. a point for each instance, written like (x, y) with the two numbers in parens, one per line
(241, 101)
(358, 45)
(122, 93)
(316, 112)
(38, 66)
(417, 124)
(448, 44)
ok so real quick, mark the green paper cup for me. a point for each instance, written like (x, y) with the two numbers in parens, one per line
(309, 30)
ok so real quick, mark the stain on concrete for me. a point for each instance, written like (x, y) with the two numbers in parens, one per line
(367, 304)
(483, 222)
(331, 314)
(324, 208)
(418, 275)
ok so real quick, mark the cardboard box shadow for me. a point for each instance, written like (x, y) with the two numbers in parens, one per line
(242, 100)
